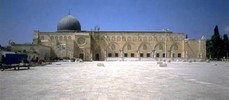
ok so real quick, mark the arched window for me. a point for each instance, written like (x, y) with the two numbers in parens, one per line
(56, 38)
(69, 38)
(109, 54)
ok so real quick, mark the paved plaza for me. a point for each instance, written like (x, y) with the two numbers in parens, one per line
(117, 81)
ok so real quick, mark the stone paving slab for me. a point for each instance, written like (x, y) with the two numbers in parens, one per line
(117, 81)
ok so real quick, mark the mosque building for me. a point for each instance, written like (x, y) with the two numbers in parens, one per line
(69, 41)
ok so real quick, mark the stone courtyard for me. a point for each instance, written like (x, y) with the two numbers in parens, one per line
(117, 81)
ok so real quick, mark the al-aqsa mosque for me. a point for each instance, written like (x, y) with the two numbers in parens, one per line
(95, 45)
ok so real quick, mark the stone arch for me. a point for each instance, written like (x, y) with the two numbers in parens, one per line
(145, 46)
(128, 50)
(97, 52)
(97, 48)
(174, 47)
(56, 37)
(51, 38)
(174, 50)
(159, 50)
(128, 44)
(69, 37)
(159, 46)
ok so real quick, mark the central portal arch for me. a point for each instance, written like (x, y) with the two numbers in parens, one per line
(97, 57)
(81, 56)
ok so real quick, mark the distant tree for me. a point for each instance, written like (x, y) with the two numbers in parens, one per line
(225, 37)
(216, 31)
(217, 45)
(226, 45)
(209, 48)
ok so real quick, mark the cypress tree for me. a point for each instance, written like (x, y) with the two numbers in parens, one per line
(225, 37)
(226, 45)
(216, 30)
(217, 44)
(209, 48)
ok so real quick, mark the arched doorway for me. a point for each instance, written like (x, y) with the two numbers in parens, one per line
(174, 51)
(97, 57)
(159, 51)
(81, 56)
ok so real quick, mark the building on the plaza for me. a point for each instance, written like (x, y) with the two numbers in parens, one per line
(70, 41)
(33, 51)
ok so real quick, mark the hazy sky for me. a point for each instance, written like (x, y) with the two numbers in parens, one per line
(19, 18)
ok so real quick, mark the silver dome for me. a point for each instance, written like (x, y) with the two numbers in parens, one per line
(69, 23)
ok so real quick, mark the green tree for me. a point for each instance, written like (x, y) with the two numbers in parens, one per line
(209, 48)
(217, 45)
(226, 45)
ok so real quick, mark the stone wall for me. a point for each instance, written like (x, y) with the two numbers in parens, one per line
(137, 45)
(124, 45)
(40, 51)
(68, 44)
(195, 49)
